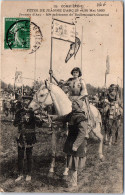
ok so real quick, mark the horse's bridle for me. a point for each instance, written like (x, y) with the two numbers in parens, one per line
(37, 101)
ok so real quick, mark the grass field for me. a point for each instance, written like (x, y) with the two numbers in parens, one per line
(96, 177)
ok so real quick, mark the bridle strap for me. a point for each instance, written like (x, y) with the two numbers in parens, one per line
(36, 99)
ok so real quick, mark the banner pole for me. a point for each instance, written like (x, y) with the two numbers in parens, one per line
(105, 78)
(51, 61)
(81, 47)
(22, 89)
(75, 38)
(35, 68)
(14, 86)
(51, 52)
(15, 80)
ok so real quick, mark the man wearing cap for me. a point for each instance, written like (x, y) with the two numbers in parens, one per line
(25, 121)
(113, 95)
(75, 145)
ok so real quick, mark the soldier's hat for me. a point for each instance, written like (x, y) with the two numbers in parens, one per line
(113, 86)
(78, 70)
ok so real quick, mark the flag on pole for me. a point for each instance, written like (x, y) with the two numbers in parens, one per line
(74, 47)
(63, 30)
(18, 77)
(107, 65)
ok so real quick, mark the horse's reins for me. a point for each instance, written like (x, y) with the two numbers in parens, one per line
(40, 104)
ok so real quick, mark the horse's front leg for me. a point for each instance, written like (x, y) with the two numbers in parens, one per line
(52, 166)
(67, 158)
(105, 131)
(66, 170)
(105, 139)
(97, 131)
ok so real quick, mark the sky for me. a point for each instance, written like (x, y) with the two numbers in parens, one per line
(102, 36)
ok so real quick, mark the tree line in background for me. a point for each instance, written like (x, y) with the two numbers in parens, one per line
(36, 85)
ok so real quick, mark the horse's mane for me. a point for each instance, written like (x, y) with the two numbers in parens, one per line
(61, 101)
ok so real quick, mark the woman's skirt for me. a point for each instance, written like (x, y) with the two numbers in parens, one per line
(76, 163)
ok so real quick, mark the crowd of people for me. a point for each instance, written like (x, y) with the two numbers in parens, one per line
(78, 119)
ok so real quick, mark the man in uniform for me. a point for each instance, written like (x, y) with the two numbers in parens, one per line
(25, 121)
(113, 113)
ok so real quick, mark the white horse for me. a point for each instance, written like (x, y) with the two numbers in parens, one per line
(51, 93)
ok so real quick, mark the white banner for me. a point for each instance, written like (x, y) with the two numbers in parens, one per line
(18, 77)
(63, 31)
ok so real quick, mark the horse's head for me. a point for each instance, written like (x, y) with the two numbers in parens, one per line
(51, 93)
(41, 98)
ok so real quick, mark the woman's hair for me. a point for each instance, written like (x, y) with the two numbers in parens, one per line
(78, 70)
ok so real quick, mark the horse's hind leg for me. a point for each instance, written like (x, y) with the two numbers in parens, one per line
(98, 134)
(105, 133)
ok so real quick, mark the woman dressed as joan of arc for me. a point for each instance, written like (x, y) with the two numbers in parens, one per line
(78, 91)
(77, 86)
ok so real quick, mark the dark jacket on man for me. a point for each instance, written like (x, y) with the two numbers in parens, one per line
(77, 125)
(25, 120)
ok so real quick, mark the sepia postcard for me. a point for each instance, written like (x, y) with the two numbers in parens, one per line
(61, 100)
